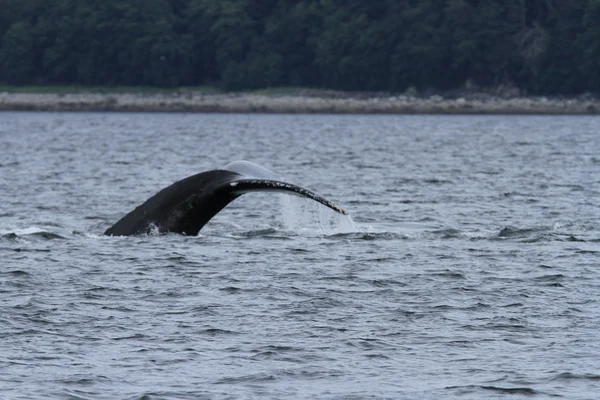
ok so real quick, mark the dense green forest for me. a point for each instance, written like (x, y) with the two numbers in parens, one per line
(538, 46)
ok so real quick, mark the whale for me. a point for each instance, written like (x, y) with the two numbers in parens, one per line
(187, 205)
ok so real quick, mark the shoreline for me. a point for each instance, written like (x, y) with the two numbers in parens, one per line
(302, 102)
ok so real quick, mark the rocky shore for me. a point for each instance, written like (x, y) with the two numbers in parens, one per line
(300, 102)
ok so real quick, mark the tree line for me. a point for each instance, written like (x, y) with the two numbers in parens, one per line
(538, 46)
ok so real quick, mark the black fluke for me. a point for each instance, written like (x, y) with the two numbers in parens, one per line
(187, 205)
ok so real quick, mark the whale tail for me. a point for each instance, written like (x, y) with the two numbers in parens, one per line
(242, 186)
(187, 205)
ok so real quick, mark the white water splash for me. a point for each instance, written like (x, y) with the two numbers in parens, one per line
(153, 230)
(305, 215)
(22, 231)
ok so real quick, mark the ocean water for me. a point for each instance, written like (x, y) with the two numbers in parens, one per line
(469, 268)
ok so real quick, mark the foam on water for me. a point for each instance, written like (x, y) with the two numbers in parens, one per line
(22, 231)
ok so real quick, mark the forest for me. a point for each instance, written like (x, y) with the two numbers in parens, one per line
(549, 47)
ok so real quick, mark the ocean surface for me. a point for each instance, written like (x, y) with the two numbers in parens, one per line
(469, 267)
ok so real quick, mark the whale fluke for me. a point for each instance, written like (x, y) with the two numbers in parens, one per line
(187, 205)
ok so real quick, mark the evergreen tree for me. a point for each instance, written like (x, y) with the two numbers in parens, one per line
(483, 33)
(560, 70)
(352, 51)
(422, 55)
(590, 42)
(290, 36)
(16, 55)
(543, 46)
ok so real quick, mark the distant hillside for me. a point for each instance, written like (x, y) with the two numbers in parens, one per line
(530, 46)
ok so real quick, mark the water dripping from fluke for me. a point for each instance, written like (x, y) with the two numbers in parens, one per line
(308, 217)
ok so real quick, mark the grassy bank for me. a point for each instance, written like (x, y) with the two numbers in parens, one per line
(105, 89)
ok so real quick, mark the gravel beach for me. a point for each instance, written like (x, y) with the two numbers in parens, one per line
(322, 102)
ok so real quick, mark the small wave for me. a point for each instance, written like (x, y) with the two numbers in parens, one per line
(449, 233)
(252, 378)
(264, 233)
(449, 274)
(505, 390)
(369, 236)
(533, 234)
(134, 336)
(550, 278)
(31, 232)
(561, 232)
(435, 181)
(17, 272)
(23, 231)
(453, 233)
(235, 289)
(587, 251)
(216, 332)
(46, 235)
(568, 376)
(275, 350)
(10, 236)
(513, 390)
(386, 283)
(572, 238)
(512, 232)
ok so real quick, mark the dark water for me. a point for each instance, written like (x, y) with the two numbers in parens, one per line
(472, 268)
